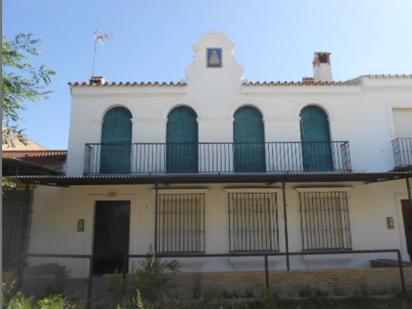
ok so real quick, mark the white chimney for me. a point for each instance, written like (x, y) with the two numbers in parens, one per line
(322, 70)
(97, 80)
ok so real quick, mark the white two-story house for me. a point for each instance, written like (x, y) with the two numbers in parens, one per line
(217, 164)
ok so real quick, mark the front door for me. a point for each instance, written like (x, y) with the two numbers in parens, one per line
(407, 220)
(111, 237)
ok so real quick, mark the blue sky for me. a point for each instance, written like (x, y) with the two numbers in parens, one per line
(152, 41)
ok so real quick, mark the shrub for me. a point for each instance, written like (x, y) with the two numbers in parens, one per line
(19, 301)
(148, 281)
(54, 302)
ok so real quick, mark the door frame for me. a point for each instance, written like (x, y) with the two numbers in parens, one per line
(95, 201)
(398, 197)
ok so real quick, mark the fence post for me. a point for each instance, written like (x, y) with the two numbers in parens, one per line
(266, 272)
(90, 283)
(285, 216)
(403, 287)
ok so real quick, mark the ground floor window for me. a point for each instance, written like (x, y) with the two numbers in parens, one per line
(325, 220)
(253, 222)
(181, 223)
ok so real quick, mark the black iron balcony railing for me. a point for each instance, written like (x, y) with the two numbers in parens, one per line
(270, 157)
(402, 152)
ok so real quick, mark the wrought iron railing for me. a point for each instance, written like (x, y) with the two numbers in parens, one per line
(210, 158)
(402, 152)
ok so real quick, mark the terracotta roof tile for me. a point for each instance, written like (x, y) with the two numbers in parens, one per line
(305, 82)
(135, 84)
(48, 157)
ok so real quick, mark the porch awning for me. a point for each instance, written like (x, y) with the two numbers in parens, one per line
(14, 166)
(214, 178)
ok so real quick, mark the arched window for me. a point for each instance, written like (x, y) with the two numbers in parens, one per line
(182, 141)
(249, 140)
(315, 136)
(116, 141)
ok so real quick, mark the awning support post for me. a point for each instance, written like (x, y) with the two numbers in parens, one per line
(285, 217)
(156, 219)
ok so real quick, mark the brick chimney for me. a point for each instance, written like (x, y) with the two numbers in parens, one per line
(322, 70)
(97, 80)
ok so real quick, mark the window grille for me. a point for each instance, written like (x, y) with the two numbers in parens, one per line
(181, 223)
(325, 221)
(253, 222)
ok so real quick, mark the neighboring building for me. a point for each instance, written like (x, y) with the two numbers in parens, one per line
(23, 159)
(13, 142)
(219, 164)
(33, 162)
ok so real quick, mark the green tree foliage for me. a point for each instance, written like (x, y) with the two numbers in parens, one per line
(22, 82)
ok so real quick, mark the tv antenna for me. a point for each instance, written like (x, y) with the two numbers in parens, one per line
(99, 37)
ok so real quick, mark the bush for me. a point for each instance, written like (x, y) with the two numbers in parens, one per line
(54, 302)
(148, 281)
(20, 301)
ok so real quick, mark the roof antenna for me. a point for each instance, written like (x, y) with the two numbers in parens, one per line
(99, 37)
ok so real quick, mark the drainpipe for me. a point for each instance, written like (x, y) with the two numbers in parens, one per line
(285, 216)
(409, 189)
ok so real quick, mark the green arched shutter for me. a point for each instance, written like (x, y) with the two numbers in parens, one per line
(182, 141)
(316, 146)
(249, 139)
(116, 141)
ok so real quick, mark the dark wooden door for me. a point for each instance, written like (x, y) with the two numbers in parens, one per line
(111, 236)
(407, 220)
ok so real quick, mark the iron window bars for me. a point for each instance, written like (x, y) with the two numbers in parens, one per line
(181, 223)
(402, 152)
(253, 222)
(325, 221)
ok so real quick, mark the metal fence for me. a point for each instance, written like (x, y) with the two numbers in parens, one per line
(160, 158)
(17, 208)
(265, 262)
(402, 152)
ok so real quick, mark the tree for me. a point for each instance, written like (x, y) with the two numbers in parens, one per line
(22, 82)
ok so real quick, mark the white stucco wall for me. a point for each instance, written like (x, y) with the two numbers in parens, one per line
(361, 114)
(56, 211)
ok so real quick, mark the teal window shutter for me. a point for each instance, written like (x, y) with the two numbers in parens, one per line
(116, 141)
(182, 141)
(315, 136)
(249, 140)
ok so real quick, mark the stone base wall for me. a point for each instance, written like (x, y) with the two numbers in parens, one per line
(336, 282)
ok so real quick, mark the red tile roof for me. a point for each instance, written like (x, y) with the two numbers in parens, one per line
(48, 157)
(305, 82)
(136, 84)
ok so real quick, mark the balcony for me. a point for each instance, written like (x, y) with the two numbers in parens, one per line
(216, 158)
(402, 152)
